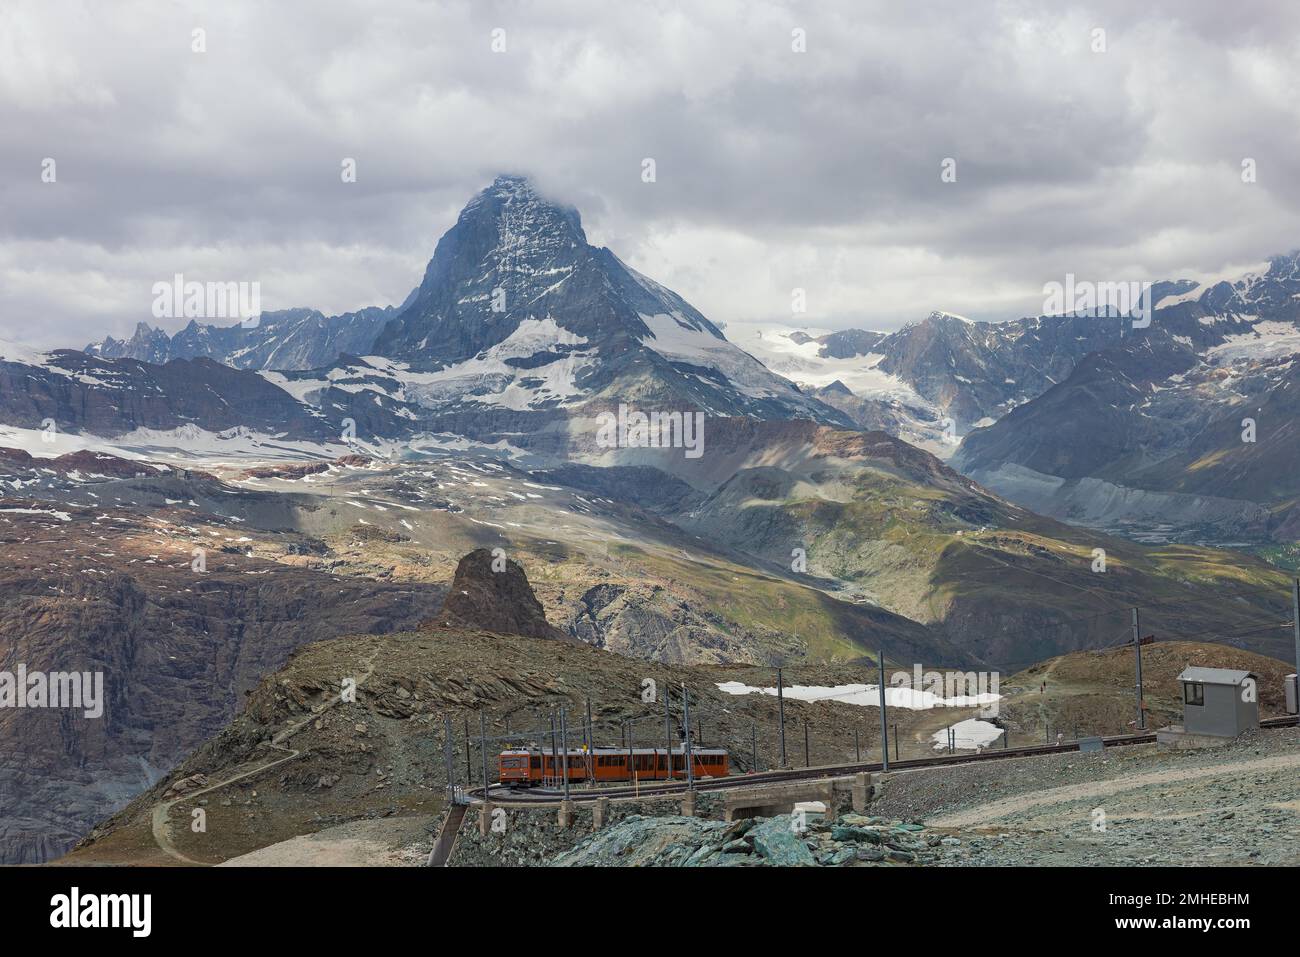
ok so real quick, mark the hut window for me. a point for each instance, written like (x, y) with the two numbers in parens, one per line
(1193, 692)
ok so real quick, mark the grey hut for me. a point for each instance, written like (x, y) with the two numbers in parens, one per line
(1221, 702)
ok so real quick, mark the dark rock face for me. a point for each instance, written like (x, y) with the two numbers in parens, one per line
(498, 601)
(177, 652)
(1084, 422)
(848, 343)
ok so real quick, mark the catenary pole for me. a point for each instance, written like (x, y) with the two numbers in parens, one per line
(1295, 621)
(448, 747)
(469, 766)
(482, 733)
(884, 719)
(668, 735)
(1137, 649)
(564, 751)
(686, 720)
(780, 708)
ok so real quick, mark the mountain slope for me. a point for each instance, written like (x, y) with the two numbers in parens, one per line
(888, 524)
(1152, 436)
(109, 397)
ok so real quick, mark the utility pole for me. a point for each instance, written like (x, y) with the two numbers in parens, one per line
(806, 762)
(884, 720)
(753, 744)
(857, 747)
(564, 752)
(482, 732)
(1137, 649)
(588, 733)
(686, 720)
(895, 740)
(780, 707)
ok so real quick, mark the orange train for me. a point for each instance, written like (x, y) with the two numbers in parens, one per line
(526, 767)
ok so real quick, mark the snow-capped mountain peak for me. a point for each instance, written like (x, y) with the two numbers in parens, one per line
(517, 260)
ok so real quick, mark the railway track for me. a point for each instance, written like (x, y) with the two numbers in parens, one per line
(662, 788)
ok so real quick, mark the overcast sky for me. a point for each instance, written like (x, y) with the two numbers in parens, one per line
(775, 169)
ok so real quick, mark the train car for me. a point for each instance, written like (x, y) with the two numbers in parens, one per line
(528, 767)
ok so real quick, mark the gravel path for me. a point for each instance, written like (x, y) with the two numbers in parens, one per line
(392, 842)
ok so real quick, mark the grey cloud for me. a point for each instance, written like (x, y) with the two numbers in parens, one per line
(774, 168)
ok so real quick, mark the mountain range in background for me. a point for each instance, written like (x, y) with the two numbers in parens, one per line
(520, 328)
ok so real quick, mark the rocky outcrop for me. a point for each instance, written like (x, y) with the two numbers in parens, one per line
(84, 461)
(491, 592)
(781, 841)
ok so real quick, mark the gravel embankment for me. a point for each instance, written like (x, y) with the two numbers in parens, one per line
(1139, 805)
